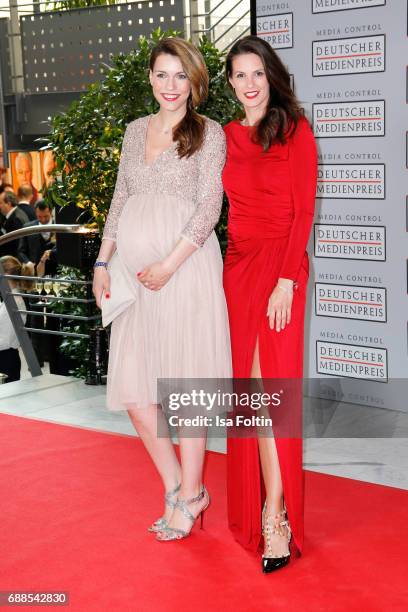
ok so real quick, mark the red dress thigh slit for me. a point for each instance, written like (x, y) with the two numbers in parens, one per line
(271, 197)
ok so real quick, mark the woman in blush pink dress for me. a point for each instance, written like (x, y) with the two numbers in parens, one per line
(163, 284)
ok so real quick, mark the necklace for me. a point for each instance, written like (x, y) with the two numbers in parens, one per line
(163, 130)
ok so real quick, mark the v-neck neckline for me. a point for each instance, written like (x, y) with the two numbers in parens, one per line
(172, 146)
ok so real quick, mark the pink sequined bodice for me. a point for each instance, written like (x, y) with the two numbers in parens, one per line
(197, 178)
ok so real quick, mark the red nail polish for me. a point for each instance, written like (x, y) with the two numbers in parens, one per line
(139, 273)
(107, 295)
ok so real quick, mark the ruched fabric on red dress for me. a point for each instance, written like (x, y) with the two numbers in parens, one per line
(271, 205)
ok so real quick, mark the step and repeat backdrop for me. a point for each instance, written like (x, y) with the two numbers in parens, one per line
(348, 59)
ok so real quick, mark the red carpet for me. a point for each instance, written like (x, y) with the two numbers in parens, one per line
(75, 505)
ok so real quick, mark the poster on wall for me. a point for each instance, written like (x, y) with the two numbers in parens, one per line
(348, 60)
(33, 168)
(25, 168)
(47, 168)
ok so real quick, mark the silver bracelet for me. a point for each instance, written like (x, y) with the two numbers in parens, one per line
(97, 264)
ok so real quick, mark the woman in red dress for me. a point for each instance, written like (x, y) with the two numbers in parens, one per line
(270, 180)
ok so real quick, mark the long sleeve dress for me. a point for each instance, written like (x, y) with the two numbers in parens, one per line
(182, 330)
(271, 196)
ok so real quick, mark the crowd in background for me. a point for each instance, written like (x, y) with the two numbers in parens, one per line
(32, 255)
(18, 211)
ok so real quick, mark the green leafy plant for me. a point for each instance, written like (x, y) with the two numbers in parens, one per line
(75, 348)
(86, 139)
(58, 5)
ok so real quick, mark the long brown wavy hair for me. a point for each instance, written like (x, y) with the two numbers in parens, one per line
(283, 111)
(11, 265)
(189, 133)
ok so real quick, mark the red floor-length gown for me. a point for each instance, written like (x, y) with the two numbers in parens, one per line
(271, 205)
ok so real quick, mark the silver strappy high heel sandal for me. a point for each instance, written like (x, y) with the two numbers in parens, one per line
(170, 500)
(271, 525)
(172, 533)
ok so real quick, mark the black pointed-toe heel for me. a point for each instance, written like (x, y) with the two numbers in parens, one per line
(273, 525)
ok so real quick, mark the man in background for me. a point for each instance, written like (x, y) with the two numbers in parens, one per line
(32, 248)
(12, 219)
(24, 196)
(24, 171)
(3, 188)
(6, 187)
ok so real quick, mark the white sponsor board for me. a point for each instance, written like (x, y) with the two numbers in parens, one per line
(349, 119)
(359, 117)
(351, 302)
(351, 361)
(268, 7)
(351, 181)
(349, 55)
(362, 242)
(328, 6)
(277, 30)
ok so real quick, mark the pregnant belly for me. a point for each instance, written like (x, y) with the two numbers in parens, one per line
(149, 227)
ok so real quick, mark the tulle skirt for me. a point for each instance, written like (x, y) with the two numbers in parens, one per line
(179, 332)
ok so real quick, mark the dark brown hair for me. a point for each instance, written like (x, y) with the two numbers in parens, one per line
(10, 198)
(4, 186)
(283, 111)
(42, 205)
(189, 133)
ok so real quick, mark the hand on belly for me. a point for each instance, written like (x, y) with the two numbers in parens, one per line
(155, 276)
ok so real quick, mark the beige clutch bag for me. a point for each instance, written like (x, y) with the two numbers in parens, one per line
(122, 291)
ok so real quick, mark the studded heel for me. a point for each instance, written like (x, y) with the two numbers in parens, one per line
(274, 525)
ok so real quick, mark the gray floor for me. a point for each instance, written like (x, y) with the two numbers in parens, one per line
(67, 400)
